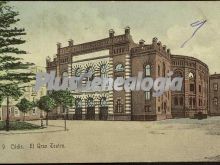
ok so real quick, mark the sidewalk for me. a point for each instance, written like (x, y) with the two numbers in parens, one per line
(49, 129)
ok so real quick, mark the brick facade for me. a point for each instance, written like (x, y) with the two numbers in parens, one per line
(214, 95)
(194, 96)
(125, 58)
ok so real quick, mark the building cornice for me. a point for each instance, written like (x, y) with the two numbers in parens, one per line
(189, 58)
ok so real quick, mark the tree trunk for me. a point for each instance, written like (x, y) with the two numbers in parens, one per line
(41, 119)
(67, 113)
(23, 116)
(47, 119)
(66, 117)
(7, 118)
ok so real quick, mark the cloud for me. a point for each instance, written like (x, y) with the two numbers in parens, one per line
(204, 45)
(50, 22)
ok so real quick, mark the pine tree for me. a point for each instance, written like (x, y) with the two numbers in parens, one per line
(13, 71)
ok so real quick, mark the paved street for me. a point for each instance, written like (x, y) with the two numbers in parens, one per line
(117, 141)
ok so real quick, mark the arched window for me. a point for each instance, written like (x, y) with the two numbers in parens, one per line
(119, 106)
(103, 71)
(194, 101)
(215, 86)
(119, 68)
(147, 95)
(147, 70)
(148, 108)
(181, 100)
(89, 69)
(200, 102)
(190, 101)
(77, 72)
(164, 69)
(200, 77)
(175, 101)
(215, 101)
(191, 76)
(158, 109)
(103, 102)
(65, 74)
(178, 73)
(90, 102)
(158, 69)
(192, 82)
(78, 103)
(165, 106)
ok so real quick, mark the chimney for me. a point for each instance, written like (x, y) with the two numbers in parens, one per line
(154, 40)
(127, 30)
(59, 45)
(164, 47)
(48, 59)
(111, 33)
(168, 51)
(159, 44)
(70, 42)
(141, 42)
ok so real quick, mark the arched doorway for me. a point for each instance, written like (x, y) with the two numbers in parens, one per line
(78, 110)
(90, 109)
(103, 115)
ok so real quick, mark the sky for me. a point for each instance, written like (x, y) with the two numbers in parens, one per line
(47, 23)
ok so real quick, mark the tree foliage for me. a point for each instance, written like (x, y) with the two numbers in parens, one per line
(9, 33)
(13, 71)
(63, 97)
(46, 103)
(25, 105)
(11, 90)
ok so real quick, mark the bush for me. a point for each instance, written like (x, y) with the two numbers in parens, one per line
(19, 125)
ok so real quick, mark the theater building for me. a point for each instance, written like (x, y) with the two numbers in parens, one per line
(214, 95)
(120, 56)
(193, 98)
